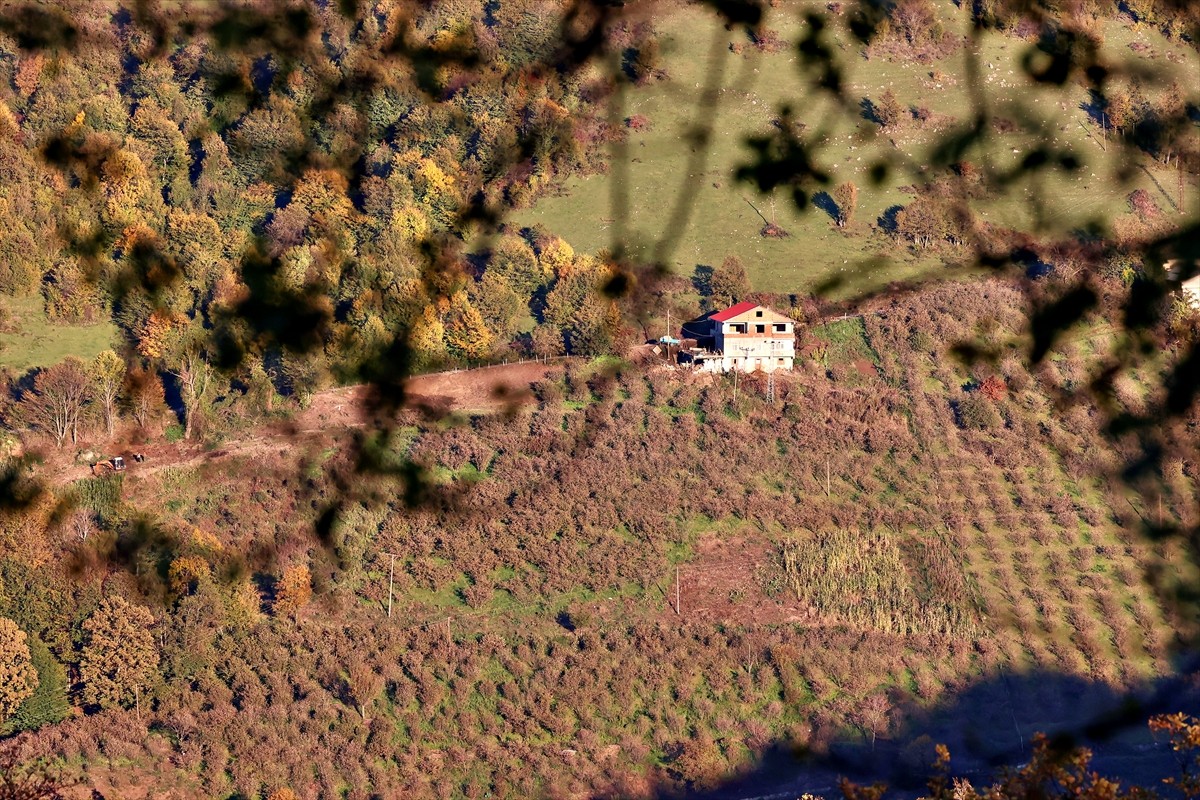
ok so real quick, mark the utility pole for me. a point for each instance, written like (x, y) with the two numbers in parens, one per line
(391, 581)
(827, 488)
(676, 589)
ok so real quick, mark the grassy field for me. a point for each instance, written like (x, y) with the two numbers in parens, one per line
(656, 167)
(38, 342)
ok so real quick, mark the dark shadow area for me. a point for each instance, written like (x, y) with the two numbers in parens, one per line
(1033, 265)
(868, 112)
(824, 201)
(887, 220)
(988, 727)
(702, 279)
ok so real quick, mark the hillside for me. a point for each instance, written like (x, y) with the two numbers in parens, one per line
(533, 639)
(734, 88)
(377, 288)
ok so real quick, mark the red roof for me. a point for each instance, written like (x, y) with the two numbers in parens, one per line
(733, 311)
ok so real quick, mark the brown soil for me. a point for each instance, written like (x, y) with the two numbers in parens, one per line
(866, 368)
(486, 390)
(723, 583)
(503, 388)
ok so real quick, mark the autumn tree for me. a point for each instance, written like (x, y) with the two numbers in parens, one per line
(120, 657)
(872, 716)
(845, 195)
(186, 573)
(1119, 109)
(143, 394)
(195, 378)
(513, 260)
(60, 394)
(364, 684)
(180, 345)
(888, 111)
(426, 337)
(729, 283)
(293, 591)
(70, 296)
(107, 372)
(993, 388)
(924, 222)
(127, 188)
(18, 679)
(466, 334)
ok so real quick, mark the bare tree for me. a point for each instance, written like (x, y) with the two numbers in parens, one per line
(194, 376)
(872, 716)
(59, 396)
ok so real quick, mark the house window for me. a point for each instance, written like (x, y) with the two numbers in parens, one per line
(780, 327)
(758, 313)
(760, 328)
(737, 327)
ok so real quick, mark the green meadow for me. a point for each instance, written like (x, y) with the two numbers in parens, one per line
(659, 165)
(32, 340)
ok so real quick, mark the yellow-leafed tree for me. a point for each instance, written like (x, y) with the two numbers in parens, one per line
(467, 336)
(18, 678)
(119, 654)
(293, 591)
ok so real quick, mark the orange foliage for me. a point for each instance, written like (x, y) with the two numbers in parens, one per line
(294, 590)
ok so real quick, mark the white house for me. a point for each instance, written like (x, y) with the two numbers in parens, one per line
(745, 337)
(1188, 288)
(1191, 291)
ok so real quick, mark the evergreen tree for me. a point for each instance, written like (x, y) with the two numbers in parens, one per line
(514, 260)
(48, 703)
(497, 303)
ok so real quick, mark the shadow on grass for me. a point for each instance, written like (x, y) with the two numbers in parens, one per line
(825, 202)
(988, 726)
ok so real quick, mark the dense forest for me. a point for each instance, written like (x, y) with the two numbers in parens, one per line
(630, 579)
(289, 166)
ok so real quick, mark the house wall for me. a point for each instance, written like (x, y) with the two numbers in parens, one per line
(751, 350)
(763, 350)
(1191, 291)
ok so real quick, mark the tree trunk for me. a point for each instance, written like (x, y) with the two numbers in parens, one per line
(188, 408)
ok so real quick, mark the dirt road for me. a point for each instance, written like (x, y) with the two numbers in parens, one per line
(486, 390)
